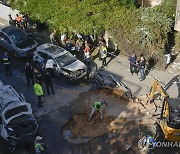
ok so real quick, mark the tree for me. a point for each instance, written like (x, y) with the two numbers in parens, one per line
(85, 16)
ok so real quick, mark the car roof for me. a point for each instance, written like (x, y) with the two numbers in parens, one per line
(52, 50)
(9, 29)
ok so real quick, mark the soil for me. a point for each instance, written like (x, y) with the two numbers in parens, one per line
(81, 128)
(124, 123)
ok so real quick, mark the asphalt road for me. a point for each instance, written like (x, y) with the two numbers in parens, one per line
(48, 127)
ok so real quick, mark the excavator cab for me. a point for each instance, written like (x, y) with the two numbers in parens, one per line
(170, 120)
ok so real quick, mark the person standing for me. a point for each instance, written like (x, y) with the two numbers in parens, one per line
(103, 55)
(97, 106)
(38, 145)
(6, 63)
(38, 92)
(29, 73)
(48, 81)
(24, 22)
(52, 37)
(38, 76)
(50, 67)
(133, 63)
(142, 64)
(168, 59)
(18, 20)
(11, 21)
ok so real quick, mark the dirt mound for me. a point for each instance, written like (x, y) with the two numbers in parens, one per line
(80, 127)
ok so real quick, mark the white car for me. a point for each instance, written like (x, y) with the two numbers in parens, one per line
(17, 123)
(66, 65)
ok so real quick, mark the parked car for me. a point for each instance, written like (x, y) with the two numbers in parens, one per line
(17, 123)
(17, 41)
(66, 65)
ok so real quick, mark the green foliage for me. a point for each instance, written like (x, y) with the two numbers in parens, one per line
(133, 29)
(85, 16)
(143, 30)
(153, 27)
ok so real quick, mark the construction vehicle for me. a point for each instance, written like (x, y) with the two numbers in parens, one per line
(17, 123)
(168, 125)
(156, 86)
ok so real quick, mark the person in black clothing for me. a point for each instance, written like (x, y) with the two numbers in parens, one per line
(24, 21)
(29, 73)
(132, 63)
(11, 21)
(6, 62)
(38, 76)
(48, 81)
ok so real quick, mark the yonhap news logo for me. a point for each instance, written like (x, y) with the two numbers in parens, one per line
(148, 142)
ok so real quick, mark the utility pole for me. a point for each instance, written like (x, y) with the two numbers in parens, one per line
(177, 19)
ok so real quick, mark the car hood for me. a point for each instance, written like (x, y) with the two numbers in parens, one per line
(77, 65)
(27, 43)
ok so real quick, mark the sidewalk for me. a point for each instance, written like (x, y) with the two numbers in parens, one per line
(120, 67)
(3, 22)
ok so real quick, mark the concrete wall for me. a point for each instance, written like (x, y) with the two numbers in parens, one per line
(177, 20)
(5, 11)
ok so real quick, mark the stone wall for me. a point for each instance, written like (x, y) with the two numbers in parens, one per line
(5, 11)
(177, 20)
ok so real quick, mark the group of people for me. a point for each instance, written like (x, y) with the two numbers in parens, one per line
(40, 76)
(19, 21)
(137, 65)
(81, 46)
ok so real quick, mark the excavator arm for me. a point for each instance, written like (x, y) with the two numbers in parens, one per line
(156, 86)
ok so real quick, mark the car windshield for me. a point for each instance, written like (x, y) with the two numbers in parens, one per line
(65, 59)
(20, 119)
(16, 110)
(17, 35)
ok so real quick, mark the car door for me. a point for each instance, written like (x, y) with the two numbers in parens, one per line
(6, 42)
(41, 56)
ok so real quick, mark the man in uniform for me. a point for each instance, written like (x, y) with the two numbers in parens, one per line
(97, 106)
(6, 62)
(38, 145)
(38, 92)
(103, 55)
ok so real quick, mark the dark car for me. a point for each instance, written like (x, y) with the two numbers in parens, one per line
(17, 41)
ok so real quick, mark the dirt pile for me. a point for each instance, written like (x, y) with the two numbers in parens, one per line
(96, 127)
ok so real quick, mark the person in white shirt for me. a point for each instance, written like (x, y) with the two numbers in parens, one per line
(50, 66)
(52, 37)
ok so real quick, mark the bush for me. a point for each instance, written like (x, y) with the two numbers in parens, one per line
(143, 30)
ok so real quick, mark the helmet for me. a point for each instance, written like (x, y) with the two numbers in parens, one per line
(98, 106)
(38, 138)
